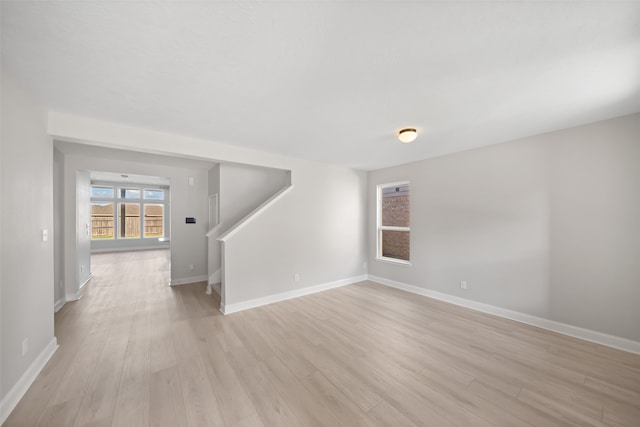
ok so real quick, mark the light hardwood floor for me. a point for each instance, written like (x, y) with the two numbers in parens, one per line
(134, 352)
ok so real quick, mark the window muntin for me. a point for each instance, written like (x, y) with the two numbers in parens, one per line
(393, 219)
(129, 193)
(121, 213)
(128, 220)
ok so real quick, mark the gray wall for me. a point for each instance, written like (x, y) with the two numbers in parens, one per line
(548, 225)
(316, 231)
(27, 206)
(188, 241)
(58, 227)
(83, 226)
(241, 189)
(213, 246)
(214, 180)
(244, 187)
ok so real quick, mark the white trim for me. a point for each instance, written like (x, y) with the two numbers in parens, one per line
(393, 184)
(255, 213)
(394, 261)
(551, 325)
(159, 246)
(188, 280)
(11, 399)
(257, 302)
(72, 297)
(214, 230)
(214, 211)
(380, 228)
(58, 305)
(75, 296)
(393, 228)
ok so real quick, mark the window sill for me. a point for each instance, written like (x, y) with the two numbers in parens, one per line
(394, 261)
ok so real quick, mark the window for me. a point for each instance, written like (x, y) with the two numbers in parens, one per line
(153, 220)
(102, 225)
(153, 194)
(102, 192)
(393, 220)
(129, 193)
(129, 220)
(124, 214)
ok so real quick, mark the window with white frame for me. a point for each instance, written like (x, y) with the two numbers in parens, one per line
(393, 222)
(131, 212)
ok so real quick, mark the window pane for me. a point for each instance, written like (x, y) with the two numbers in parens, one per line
(129, 220)
(395, 206)
(395, 244)
(154, 194)
(153, 220)
(102, 220)
(129, 193)
(104, 192)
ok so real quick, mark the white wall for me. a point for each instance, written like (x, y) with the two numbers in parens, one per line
(318, 229)
(214, 180)
(27, 262)
(595, 226)
(241, 188)
(548, 225)
(83, 227)
(188, 241)
(58, 227)
(244, 187)
(213, 246)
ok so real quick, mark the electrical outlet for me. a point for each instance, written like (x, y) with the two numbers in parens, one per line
(191, 267)
(25, 346)
(296, 277)
(463, 284)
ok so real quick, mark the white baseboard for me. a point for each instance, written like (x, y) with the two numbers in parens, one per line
(551, 325)
(73, 296)
(12, 398)
(131, 249)
(58, 305)
(86, 280)
(257, 302)
(187, 280)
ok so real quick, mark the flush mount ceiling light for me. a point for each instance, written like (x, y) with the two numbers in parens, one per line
(407, 135)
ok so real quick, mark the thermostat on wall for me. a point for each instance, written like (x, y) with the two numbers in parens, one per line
(190, 220)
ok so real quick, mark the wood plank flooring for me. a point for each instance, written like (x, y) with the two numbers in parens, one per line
(134, 352)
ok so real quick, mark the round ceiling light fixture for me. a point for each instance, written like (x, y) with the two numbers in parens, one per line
(407, 135)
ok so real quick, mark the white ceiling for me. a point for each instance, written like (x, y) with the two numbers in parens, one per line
(332, 81)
